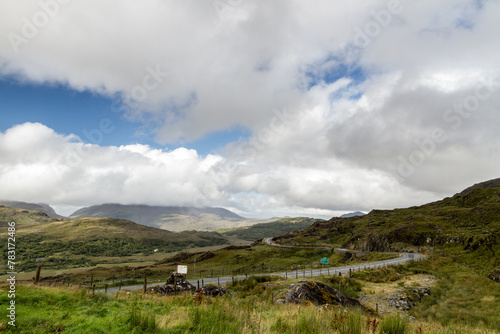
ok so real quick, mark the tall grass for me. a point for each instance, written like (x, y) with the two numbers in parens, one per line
(58, 310)
(395, 324)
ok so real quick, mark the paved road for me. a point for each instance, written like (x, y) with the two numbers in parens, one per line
(403, 258)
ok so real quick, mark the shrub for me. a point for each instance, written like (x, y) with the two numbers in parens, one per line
(394, 324)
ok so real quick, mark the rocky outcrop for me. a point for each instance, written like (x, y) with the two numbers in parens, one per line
(408, 297)
(175, 283)
(316, 293)
(375, 243)
(495, 275)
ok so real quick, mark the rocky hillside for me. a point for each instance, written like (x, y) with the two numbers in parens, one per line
(469, 221)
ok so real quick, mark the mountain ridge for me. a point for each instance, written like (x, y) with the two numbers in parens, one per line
(42, 207)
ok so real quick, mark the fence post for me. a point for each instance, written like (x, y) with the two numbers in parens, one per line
(145, 284)
(106, 289)
(37, 275)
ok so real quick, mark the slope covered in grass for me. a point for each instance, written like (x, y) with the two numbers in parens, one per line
(271, 229)
(66, 243)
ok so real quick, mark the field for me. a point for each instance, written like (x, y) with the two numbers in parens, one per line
(459, 303)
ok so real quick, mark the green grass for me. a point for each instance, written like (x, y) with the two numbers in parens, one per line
(395, 324)
(256, 260)
(462, 296)
(71, 244)
(53, 310)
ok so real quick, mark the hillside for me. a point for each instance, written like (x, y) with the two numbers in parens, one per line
(173, 218)
(65, 243)
(470, 223)
(495, 183)
(31, 206)
(271, 229)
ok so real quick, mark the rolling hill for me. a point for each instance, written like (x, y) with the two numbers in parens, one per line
(66, 243)
(31, 206)
(173, 218)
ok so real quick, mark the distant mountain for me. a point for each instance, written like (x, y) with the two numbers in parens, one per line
(173, 218)
(31, 206)
(353, 214)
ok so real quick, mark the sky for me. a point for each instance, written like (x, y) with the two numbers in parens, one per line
(266, 108)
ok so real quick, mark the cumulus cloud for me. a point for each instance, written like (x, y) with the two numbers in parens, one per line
(349, 105)
(39, 164)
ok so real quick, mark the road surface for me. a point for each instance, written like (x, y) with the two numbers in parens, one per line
(403, 258)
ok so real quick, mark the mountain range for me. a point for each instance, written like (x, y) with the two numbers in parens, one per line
(172, 218)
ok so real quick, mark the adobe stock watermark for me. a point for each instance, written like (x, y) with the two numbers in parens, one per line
(73, 158)
(259, 142)
(226, 9)
(31, 26)
(373, 28)
(454, 118)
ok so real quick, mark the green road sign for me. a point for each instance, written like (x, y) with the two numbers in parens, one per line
(324, 260)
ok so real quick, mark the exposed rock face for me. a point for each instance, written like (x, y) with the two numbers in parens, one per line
(375, 243)
(317, 293)
(175, 280)
(407, 298)
(495, 275)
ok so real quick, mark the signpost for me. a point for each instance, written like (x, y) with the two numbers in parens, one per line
(182, 269)
(324, 260)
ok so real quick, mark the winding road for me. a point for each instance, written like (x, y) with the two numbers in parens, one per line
(403, 258)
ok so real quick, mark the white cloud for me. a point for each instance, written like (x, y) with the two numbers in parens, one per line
(339, 143)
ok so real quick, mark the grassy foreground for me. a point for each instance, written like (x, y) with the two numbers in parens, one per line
(461, 302)
(57, 310)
